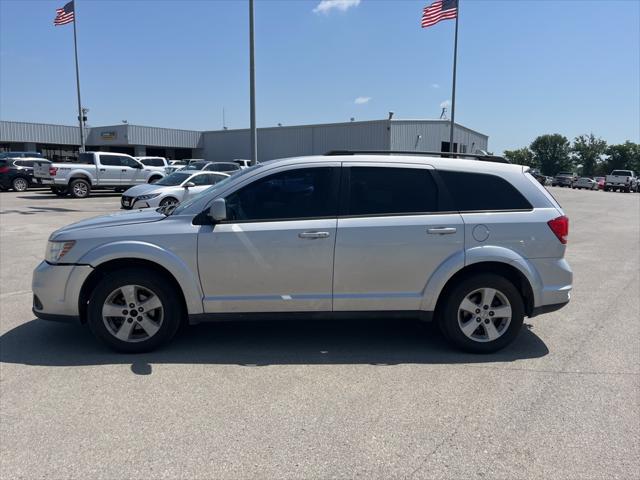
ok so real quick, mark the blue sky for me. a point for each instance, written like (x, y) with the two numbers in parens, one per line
(525, 67)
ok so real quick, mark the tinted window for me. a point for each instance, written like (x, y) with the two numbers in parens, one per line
(621, 173)
(387, 190)
(128, 162)
(301, 193)
(109, 160)
(152, 162)
(482, 192)
(207, 179)
(222, 167)
(88, 158)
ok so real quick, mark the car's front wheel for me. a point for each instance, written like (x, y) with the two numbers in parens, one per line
(482, 314)
(134, 310)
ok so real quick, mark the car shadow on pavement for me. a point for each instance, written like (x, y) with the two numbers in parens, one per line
(248, 343)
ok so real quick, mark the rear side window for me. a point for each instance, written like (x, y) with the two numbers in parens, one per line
(110, 160)
(390, 191)
(222, 167)
(473, 192)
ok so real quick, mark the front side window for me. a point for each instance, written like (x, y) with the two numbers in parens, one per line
(300, 193)
(390, 191)
(206, 179)
(128, 162)
(472, 192)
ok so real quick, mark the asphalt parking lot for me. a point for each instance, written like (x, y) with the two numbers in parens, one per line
(328, 399)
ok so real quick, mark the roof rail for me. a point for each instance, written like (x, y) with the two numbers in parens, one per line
(482, 158)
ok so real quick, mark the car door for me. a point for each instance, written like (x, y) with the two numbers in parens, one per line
(274, 253)
(109, 170)
(392, 236)
(131, 172)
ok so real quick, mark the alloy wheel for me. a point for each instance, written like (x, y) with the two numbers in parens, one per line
(484, 315)
(20, 185)
(132, 313)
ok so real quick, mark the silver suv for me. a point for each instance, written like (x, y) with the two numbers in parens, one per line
(473, 245)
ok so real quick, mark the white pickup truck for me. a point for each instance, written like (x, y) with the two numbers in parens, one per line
(94, 170)
(622, 180)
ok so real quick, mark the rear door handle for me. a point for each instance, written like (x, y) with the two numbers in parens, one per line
(442, 230)
(103, 169)
(313, 235)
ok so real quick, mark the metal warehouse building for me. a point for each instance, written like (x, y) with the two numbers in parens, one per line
(59, 141)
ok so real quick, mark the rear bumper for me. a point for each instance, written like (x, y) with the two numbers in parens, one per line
(556, 281)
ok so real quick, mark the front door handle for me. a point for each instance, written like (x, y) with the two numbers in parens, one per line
(313, 235)
(442, 230)
(103, 169)
(123, 170)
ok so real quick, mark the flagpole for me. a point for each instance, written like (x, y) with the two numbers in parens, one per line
(453, 91)
(75, 47)
(252, 88)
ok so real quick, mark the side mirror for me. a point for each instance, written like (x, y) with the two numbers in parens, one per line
(218, 210)
(189, 185)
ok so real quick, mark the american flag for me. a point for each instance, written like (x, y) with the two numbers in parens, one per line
(64, 15)
(440, 10)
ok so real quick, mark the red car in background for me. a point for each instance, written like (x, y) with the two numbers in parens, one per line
(600, 181)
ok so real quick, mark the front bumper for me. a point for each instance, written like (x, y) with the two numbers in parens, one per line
(56, 290)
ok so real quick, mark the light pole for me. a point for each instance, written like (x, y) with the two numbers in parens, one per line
(252, 86)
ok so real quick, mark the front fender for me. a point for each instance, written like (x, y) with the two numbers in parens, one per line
(153, 253)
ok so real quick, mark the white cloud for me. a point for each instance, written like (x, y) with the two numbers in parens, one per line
(325, 6)
(435, 85)
(361, 100)
(445, 104)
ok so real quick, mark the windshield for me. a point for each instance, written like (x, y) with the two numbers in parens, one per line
(222, 183)
(621, 173)
(174, 179)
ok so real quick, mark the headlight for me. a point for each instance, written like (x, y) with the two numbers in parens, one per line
(147, 197)
(57, 250)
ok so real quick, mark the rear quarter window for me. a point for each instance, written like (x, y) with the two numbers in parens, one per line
(480, 192)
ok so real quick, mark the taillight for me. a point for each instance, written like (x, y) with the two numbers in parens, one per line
(53, 171)
(560, 227)
(4, 169)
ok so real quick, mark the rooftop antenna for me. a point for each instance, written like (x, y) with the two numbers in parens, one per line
(443, 115)
(390, 115)
(224, 123)
(353, 119)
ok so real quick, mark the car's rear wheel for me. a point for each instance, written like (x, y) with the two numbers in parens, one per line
(482, 314)
(80, 188)
(134, 311)
(59, 191)
(20, 184)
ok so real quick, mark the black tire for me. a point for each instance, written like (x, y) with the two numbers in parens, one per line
(59, 191)
(168, 201)
(20, 184)
(79, 188)
(448, 315)
(172, 317)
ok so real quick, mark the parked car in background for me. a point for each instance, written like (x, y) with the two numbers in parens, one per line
(586, 183)
(171, 190)
(622, 181)
(20, 155)
(600, 182)
(158, 164)
(94, 170)
(17, 174)
(175, 165)
(311, 236)
(242, 162)
(228, 167)
(564, 179)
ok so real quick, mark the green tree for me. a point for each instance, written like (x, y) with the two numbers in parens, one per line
(588, 151)
(522, 156)
(551, 152)
(625, 156)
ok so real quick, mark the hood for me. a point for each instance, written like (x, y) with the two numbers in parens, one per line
(112, 220)
(141, 190)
